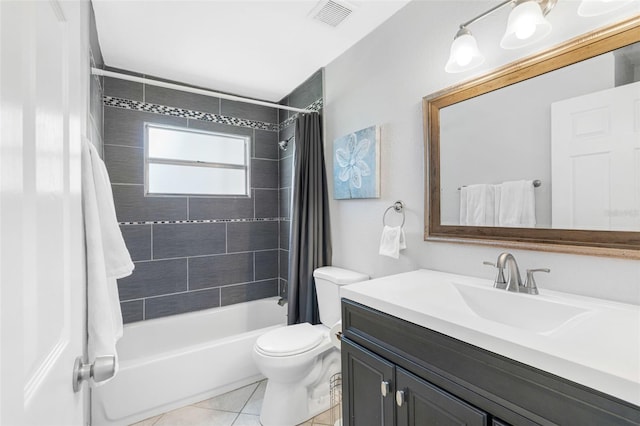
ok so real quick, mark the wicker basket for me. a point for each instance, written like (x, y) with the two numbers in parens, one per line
(335, 384)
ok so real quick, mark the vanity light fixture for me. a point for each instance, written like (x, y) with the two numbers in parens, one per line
(526, 25)
(465, 54)
(590, 8)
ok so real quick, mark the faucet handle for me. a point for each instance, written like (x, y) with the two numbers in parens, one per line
(500, 281)
(530, 284)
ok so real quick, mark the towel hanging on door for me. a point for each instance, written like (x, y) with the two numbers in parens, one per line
(107, 256)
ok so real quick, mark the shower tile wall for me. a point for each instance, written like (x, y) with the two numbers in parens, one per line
(221, 250)
(308, 93)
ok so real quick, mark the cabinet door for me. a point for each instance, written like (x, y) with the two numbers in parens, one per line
(366, 378)
(421, 403)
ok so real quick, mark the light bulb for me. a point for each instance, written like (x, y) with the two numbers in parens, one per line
(525, 28)
(464, 54)
(526, 25)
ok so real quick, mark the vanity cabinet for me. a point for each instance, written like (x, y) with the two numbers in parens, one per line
(420, 403)
(398, 373)
(370, 395)
(367, 383)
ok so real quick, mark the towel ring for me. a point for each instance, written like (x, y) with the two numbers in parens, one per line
(398, 206)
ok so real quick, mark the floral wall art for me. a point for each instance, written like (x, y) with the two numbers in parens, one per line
(356, 165)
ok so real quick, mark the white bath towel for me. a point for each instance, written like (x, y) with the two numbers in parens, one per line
(107, 256)
(517, 205)
(392, 241)
(477, 205)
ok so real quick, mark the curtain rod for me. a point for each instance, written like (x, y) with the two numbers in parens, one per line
(98, 71)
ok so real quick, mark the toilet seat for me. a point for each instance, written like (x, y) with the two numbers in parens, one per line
(289, 340)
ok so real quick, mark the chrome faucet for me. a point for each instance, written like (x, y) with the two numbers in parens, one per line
(514, 283)
(507, 260)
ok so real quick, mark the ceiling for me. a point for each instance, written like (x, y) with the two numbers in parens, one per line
(261, 49)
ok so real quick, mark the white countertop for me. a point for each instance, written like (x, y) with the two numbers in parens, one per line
(598, 348)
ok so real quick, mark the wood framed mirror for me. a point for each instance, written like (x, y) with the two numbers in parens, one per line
(543, 119)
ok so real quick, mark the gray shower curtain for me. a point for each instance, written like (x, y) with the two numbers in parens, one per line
(310, 238)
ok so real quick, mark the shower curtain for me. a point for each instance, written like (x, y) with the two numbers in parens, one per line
(310, 238)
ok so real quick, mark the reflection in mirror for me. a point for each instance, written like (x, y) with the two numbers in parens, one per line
(568, 117)
(575, 129)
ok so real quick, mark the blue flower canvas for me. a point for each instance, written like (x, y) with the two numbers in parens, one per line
(356, 165)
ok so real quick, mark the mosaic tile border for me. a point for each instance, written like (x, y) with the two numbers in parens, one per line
(315, 106)
(113, 101)
(163, 222)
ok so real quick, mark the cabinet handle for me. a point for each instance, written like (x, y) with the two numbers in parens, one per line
(399, 398)
(384, 388)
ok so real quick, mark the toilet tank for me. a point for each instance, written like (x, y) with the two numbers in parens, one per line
(328, 280)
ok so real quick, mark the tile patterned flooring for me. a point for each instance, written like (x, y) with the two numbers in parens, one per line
(240, 407)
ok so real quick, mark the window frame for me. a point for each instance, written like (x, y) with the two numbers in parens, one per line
(149, 160)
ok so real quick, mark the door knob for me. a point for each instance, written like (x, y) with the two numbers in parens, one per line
(103, 368)
(399, 398)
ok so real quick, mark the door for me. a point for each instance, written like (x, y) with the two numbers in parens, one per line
(367, 383)
(43, 99)
(421, 403)
(595, 153)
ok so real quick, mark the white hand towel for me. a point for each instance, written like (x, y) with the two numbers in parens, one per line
(517, 207)
(463, 205)
(477, 205)
(107, 256)
(403, 240)
(392, 241)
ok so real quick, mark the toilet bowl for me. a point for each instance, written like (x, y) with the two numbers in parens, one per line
(298, 360)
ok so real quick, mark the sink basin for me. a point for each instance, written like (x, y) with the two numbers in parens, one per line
(522, 311)
(590, 341)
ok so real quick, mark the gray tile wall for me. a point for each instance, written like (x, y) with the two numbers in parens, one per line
(303, 96)
(183, 267)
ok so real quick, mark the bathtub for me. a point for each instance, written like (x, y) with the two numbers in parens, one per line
(170, 362)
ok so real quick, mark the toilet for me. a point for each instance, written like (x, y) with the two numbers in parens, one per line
(298, 360)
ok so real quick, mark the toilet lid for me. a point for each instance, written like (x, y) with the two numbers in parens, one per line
(290, 340)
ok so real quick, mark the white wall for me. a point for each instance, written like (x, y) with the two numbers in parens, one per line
(382, 80)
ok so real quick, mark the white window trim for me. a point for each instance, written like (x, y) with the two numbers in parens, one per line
(147, 161)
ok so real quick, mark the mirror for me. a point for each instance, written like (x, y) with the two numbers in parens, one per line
(548, 155)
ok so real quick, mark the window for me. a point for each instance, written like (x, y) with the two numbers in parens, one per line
(182, 161)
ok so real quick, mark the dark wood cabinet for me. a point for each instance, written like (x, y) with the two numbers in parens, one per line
(367, 387)
(420, 403)
(432, 379)
(372, 386)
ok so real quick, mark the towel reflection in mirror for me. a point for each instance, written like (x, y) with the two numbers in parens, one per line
(509, 204)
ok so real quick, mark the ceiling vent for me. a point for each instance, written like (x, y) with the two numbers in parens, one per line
(331, 12)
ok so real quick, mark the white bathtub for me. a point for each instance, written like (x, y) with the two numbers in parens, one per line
(170, 362)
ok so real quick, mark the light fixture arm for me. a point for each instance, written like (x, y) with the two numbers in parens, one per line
(486, 13)
(545, 5)
(526, 25)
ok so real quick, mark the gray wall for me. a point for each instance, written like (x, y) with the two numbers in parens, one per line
(507, 134)
(382, 80)
(308, 95)
(191, 253)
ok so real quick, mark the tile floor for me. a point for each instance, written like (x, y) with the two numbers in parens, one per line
(240, 407)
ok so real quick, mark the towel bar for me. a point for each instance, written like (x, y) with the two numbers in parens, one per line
(398, 207)
(536, 183)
